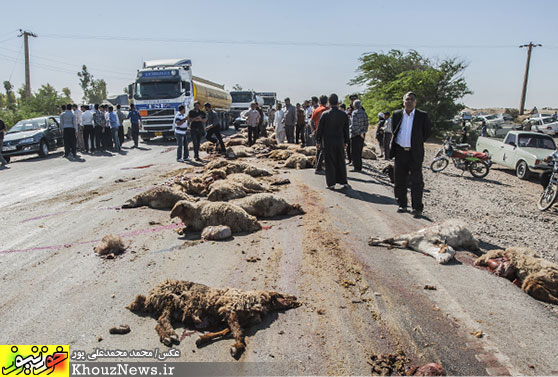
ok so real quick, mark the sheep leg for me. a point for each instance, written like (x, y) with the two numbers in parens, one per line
(208, 337)
(239, 346)
(400, 241)
(541, 289)
(164, 328)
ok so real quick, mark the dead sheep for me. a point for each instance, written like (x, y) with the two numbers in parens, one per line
(240, 135)
(224, 190)
(249, 183)
(192, 185)
(197, 306)
(279, 154)
(239, 151)
(299, 161)
(237, 167)
(208, 146)
(267, 141)
(159, 197)
(110, 246)
(437, 241)
(536, 276)
(216, 233)
(198, 215)
(268, 205)
(368, 153)
(307, 151)
(236, 141)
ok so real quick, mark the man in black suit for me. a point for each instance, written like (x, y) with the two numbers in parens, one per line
(411, 128)
(332, 138)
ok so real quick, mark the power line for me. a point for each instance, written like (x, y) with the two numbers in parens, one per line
(17, 59)
(267, 43)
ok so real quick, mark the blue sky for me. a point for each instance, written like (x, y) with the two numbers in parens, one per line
(214, 34)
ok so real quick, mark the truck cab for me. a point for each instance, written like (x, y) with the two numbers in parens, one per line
(241, 100)
(161, 86)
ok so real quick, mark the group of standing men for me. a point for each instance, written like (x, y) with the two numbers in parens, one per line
(199, 122)
(94, 130)
(340, 133)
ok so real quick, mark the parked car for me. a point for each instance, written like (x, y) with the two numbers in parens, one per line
(240, 122)
(546, 125)
(522, 151)
(489, 119)
(29, 136)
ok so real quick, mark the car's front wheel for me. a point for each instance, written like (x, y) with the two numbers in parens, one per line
(43, 148)
(522, 170)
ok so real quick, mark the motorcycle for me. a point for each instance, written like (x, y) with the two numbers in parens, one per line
(550, 182)
(477, 163)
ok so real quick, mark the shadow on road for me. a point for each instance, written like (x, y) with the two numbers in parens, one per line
(367, 197)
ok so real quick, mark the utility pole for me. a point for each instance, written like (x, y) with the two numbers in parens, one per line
(526, 76)
(26, 35)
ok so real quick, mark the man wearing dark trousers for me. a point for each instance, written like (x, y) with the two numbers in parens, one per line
(333, 136)
(411, 128)
(196, 117)
(358, 129)
(68, 123)
(212, 127)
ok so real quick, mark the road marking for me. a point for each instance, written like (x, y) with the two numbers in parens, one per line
(67, 245)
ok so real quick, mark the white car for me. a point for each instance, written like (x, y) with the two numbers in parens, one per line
(546, 125)
(489, 119)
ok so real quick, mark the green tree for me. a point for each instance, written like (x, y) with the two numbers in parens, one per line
(84, 82)
(94, 90)
(438, 85)
(10, 95)
(98, 91)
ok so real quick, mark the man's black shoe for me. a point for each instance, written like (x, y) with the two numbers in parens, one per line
(416, 213)
(401, 209)
(355, 170)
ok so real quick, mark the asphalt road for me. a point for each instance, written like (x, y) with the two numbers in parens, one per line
(357, 300)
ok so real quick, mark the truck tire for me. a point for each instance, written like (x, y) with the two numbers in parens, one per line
(522, 170)
(43, 148)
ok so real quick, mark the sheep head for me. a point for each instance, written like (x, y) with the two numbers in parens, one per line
(183, 210)
(138, 305)
(281, 301)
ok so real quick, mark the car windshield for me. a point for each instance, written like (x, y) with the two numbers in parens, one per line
(28, 125)
(242, 97)
(489, 117)
(157, 90)
(547, 120)
(536, 141)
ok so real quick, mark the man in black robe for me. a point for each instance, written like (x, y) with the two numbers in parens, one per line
(333, 137)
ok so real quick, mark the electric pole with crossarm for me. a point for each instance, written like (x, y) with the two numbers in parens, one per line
(26, 35)
(526, 77)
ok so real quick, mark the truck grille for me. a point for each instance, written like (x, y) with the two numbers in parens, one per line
(157, 121)
(158, 129)
(160, 112)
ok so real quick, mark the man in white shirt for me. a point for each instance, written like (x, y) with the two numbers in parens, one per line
(252, 119)
(80, 141)
(180, 128)
(411, 129)
(88, 128)
(280, 134)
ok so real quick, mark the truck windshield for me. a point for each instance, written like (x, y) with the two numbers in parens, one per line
(269, 101)
(536, 141)
(157, 90)
(242, 96)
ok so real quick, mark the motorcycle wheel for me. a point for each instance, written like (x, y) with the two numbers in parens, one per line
(439, 165)
(548, 197)
(479, 169)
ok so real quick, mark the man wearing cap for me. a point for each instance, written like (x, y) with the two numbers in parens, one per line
(411, 129)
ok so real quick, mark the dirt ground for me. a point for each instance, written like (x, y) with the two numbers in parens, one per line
(357, 301)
